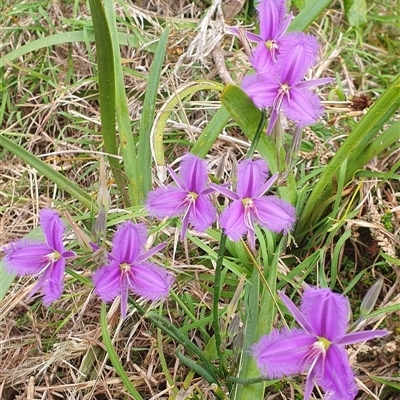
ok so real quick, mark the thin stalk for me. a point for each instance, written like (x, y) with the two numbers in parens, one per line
(257, 136)
(217, 293)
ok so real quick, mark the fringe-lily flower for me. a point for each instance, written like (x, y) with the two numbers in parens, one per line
(189, 199)
(127, 269)
(283, 88)
(44, 259)
(249, 204)
(318, 347)
(273, 26)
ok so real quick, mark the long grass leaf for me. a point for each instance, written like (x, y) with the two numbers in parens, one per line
(105, 70)
(63, 183)
(114, 358)
(144, 151)
(126, 141)
(62, 38)
(308, 15)
(361, 138)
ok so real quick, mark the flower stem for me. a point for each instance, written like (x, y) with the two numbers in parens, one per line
(257, 136)
(217, 293)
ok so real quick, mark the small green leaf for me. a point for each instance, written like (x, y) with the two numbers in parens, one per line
(356, 12)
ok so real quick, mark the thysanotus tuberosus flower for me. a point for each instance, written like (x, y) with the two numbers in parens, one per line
(318, 347)
(273, 26)
(189, 199)
(250, 205)
(44, 259)
(127, 269)
(283, 87)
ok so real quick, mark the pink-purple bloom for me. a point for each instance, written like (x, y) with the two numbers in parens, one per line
(45, 259)
(189, 199)
(127, 269)
(283, 87)
(273, 26)
(250, 205)
(318, 347)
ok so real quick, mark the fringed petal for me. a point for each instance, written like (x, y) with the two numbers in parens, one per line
(282, 353)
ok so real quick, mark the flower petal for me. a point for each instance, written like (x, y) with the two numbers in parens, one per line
(298, 316)
(271, 14)
(338, 379)
(297, 53)
(53, 287)
(232, 221)
(275, 214)
(262, 91)
(327, 312)
(282, 353)
(356, 337)
(251, 176)
(302, 106)
(261, 59)
(107, 281)
(26, 257)
(194, 173)
(166, 202)
(53, 228)
(150, 281)
(202, 214)
(128, 241)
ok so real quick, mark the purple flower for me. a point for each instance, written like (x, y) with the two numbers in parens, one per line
(317, 347)
(273, 25)
(283, 87)
(189, 199)
(45, 259)
(127, 270)
(250, 205)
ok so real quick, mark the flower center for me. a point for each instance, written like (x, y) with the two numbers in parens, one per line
(284, 88)
(191, 197)
(55, 256)
(323, 343)
(248, 202)
(125, 267)
(271, 44)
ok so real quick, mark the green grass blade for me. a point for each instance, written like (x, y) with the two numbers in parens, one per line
(105, 70)
(263, 325)
(210, 133)
(64, 183)
(195, 367)
(62, 38)
(386, 140)
(308, 15)
(144, 151)
(127, 144)
(361, 138)
(114, 358)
